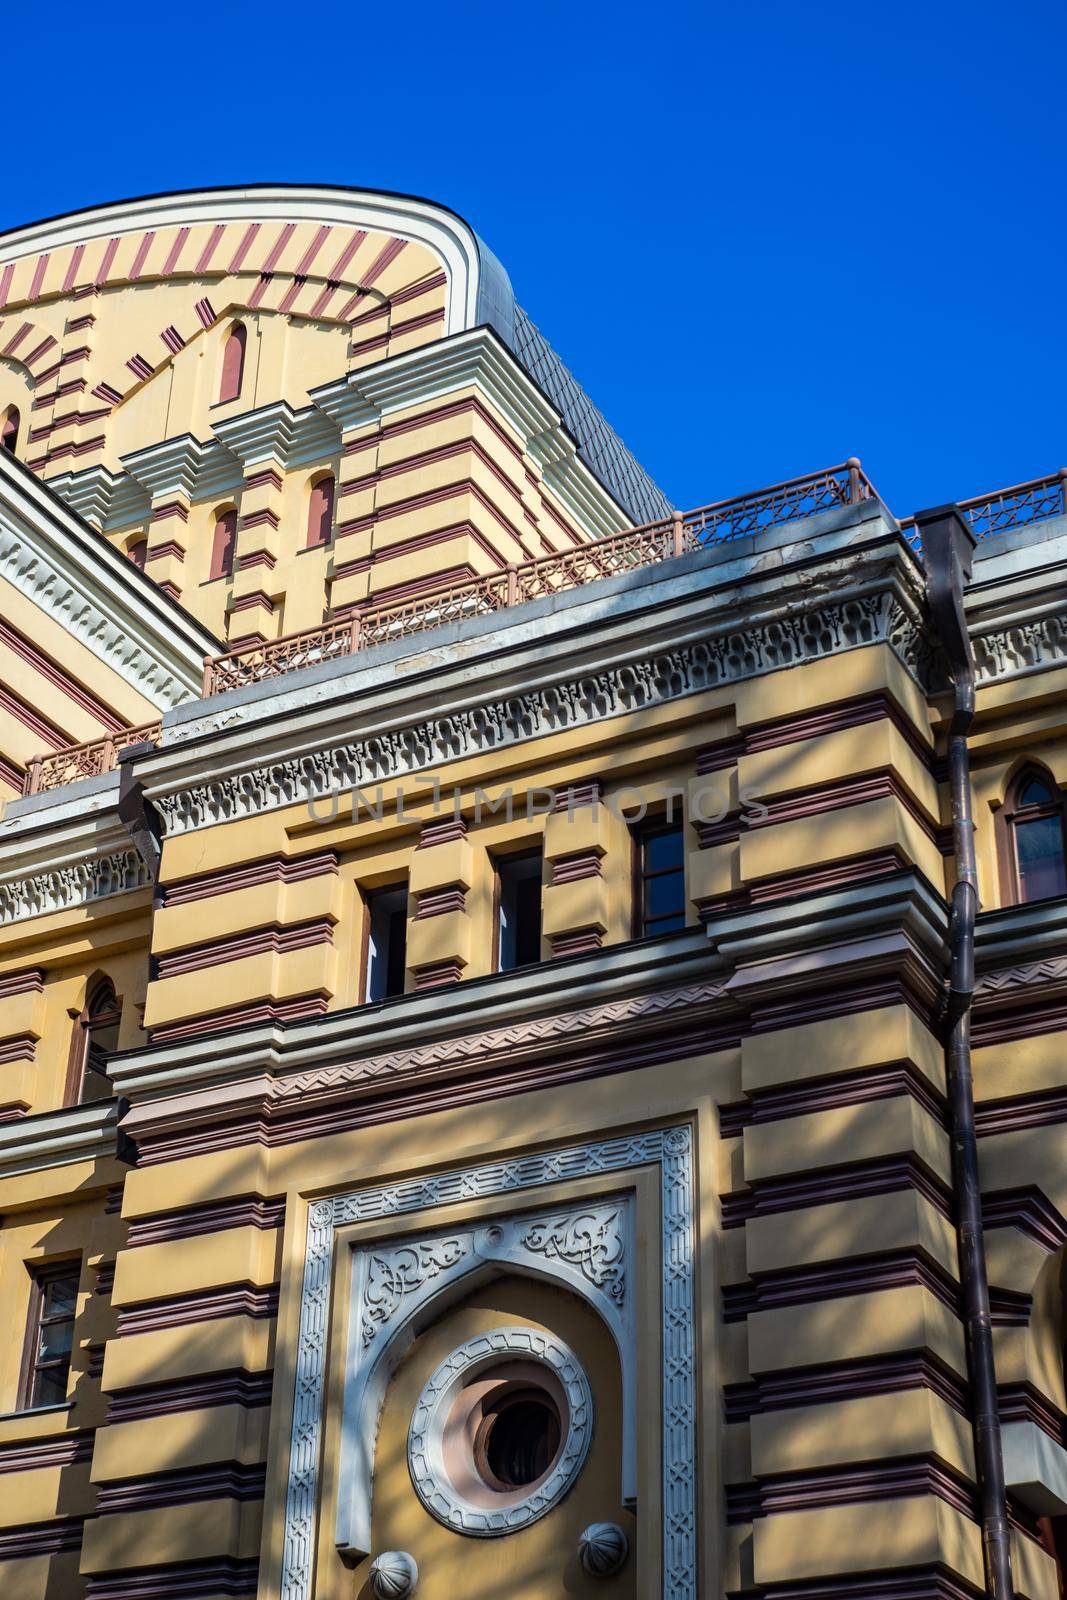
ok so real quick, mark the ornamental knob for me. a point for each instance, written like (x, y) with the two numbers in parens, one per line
(602, 1549)
(393, 1575)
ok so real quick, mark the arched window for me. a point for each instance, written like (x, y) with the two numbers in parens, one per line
(222, 544)
(138, 553)
(320, 513)
(233, 363)
(1036, 841)
(9, 429)
(96, 1037)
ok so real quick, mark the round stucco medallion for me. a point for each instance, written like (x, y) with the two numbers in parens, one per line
(519, 1375)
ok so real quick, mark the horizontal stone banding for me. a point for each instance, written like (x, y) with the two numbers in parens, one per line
(204, 1305)
(235, 1387)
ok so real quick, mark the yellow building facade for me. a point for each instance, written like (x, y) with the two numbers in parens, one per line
(496, 1100)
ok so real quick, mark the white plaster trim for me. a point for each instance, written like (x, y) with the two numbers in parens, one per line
(66, 848)
(58, 1138)
(96, 594)
(426, 1461)
(406, 218)
(1035, 1468)
(668, 1149)
(398, 1289)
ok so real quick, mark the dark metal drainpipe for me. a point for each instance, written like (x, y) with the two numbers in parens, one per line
(948, 548)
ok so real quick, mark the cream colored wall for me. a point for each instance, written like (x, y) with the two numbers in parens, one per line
(545, 1554)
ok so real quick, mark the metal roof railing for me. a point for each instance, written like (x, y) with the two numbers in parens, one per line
(742, 517)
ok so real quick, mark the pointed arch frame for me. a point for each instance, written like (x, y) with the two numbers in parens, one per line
(439, 1268)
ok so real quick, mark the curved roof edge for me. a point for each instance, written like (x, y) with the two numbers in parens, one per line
(481, 291)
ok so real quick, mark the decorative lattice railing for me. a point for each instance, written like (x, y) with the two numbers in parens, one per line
(743, 517)
(1004, 509)
(85, 760)
(746, 516)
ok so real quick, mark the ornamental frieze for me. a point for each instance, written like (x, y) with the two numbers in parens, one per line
(788, 640)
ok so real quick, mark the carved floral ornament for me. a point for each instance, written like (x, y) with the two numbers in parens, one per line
(392, 753)
(398, 1290)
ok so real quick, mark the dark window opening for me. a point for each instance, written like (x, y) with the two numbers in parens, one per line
(138, 553)
(98, 1038)
(54, 1299)
(660, 873)
(1038, 845)
(222, 545)
(387, 936)
(233, 363)
(320, 513)
(1052, 1532)
(9, 430)
(518, 1439)
(519, 914)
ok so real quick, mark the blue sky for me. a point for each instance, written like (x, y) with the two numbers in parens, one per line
(765, 236)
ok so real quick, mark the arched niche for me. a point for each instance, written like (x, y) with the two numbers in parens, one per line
(399, 1289)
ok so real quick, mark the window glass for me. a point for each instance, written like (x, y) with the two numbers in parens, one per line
(1039, 854)
(1035, 793)
(661, 880)
(99, 1025)
(51, 1335)
(387, 911)
(519, 900)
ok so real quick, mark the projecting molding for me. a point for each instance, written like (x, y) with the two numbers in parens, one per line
(403, 216)
(397, 750)
(96, 594)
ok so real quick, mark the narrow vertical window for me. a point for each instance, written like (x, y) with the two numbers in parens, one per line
(660, 880)
(222, 544)
(320, 513)
(50, 1335)
(96, 1038)
(387, 929)
(519, 910)
(233, 363)
(137, 552)
(9, 430)
(1034, 815)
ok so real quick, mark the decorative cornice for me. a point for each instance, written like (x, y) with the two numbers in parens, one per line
(398, 750)
(76, 578)
(264, 435)
(58, 1138)
(496, 1041)
(1028, 646)
(170, 467)
(76, 883)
